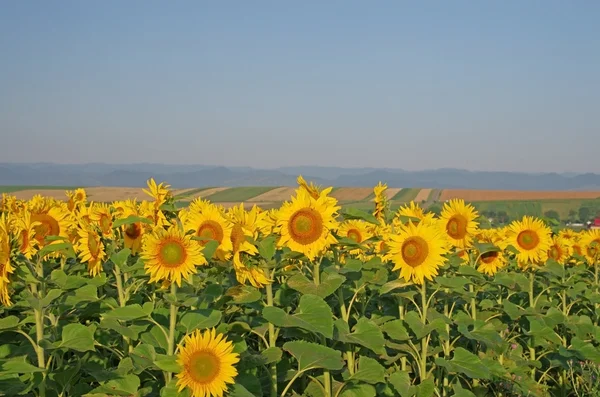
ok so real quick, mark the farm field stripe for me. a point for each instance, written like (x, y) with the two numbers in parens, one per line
(238, 194)
(423, 195)
(351, 193)
(489, 195)
(278, 194)
(406, 194)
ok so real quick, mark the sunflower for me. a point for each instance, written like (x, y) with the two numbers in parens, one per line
(531, 237)
(458, 222)
(170, 254)
(560, 250)
(356, 230)
(207, 364)
(24, 229)
(133, 232)
(490, 262)
(413, 210)
(90, 249)
(305, 223)
(253, 274)
(76, 199)
(160, 193)
(6, 268)
(148, 210)
(568, 234)
(380, 201)
(316, 191)
(417, 251)
(52, 219)
(266, 221)
(209, 223)
(102, 216)
(590, 241)
(243, 227)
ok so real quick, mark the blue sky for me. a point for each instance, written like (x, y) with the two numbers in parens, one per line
(490, 85)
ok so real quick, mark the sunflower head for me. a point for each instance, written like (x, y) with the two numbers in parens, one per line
(90, 248)
(590, 244)
(170, 255)
(417, 251)
(458, 222)
(207, 364)
(380, 201)
(531, 237)
(560, 250)
(305, 224)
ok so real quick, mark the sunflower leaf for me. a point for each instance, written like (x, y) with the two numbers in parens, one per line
(130, 220)
(355, 213)
(311, 355)
(330, 282)
(313, 314)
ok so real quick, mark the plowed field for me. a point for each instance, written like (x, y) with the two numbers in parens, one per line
(493, 195)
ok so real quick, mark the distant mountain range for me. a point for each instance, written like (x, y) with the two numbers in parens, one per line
(187, 176)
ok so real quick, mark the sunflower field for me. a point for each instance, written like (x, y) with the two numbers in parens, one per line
(146, 299)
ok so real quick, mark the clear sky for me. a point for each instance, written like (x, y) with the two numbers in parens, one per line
(482, 85)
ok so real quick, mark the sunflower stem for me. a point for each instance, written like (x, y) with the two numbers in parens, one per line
(326, 374)
(172, 323)
(272, 343)
(425, 340)
(39, 325)
(401, 310)
(532, 305)
(122, 302)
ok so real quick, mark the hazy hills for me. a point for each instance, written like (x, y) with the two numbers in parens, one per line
(183, 176)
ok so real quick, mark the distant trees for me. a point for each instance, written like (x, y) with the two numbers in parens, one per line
(502, 217)
(552, 215)
(572, 215)
(584, 214)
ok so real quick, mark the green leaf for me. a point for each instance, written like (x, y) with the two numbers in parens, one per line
(267, 247)
(358, 390)
(170, 390)
(243, 294)
(355, 213)
(238, 390)
(64, 248)
(50, 296)
(76, 337)
(465, 362)
(540, 330)
(426, 388)
(130, 220)
(17, 365)
(200, 319)
(369, 370)
(366, 333)
(330, 282)
(393, 285)
(486, 248)
(311, 355)
(313, 314)
(401, 382)
(120, 258)
(126, 313)
(209, 249)
(87, 293)
(460, 392)
(272, 355)
(127, 385)
(395, 330)
(167, 363)
(9, 322)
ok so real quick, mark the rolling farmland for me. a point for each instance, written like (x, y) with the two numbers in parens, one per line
(513, 202)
